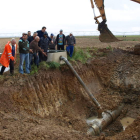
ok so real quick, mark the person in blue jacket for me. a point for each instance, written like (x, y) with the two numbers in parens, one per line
(40, 33)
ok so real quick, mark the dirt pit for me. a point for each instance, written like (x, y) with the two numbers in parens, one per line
(52, 105)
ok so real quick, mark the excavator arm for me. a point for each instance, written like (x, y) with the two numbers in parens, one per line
(138, 1)
(105, 34)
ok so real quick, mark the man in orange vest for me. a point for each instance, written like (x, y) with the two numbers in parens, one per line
(9, 56)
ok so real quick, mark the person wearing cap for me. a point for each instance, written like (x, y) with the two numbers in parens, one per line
(24, 54)
(9, 56)
(31, 38)
(52, 45)
(44, 44)
(70, 43)
(60, 40)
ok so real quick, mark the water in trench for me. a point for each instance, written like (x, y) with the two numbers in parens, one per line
(126, 122)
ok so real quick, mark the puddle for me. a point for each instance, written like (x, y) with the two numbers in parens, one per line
(7, 69)
(126, 122)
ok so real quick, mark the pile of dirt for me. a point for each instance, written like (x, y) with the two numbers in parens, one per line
(53, 105)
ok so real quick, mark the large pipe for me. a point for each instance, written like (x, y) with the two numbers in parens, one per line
(98, 125)
(84, 86)
(104, 118)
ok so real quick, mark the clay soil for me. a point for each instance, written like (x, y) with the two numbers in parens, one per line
(52, 105)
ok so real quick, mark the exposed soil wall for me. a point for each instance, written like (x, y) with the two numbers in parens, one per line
(53, 105)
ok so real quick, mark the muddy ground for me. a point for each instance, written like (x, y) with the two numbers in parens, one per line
(52, 105)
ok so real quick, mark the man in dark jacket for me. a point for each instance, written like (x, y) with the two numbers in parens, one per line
(41, 32)
(31, 38)
(24, 54)
(70, 43)
(44, 44)
(60, 40)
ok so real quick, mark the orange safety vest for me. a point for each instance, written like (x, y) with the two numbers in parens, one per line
(7, 54)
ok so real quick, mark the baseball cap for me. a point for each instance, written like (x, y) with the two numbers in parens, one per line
(52, 34)
(61, 30)
(45, 33)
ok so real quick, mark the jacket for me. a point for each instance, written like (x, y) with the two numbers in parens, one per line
(70, 40)
(44, 43)
(40, 33)
(23, 46)
(34, 46)
(52, 45)
(30, 39)
(57, 39)
(7, 54)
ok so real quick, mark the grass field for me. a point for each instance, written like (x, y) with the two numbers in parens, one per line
(92, 41)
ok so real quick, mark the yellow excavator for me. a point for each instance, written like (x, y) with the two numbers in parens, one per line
(105, 34)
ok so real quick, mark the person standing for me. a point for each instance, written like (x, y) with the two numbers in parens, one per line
(70, 43)
(52, 45)
(31, 38)
(44, 44)
(29, 33)
(34, 46)
(9, 56)
(41, 32)
(24, 54)
(60, 40)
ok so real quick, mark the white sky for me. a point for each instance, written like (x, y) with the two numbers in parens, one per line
(69, 15)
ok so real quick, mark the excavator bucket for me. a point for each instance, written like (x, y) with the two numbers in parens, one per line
(106, 35)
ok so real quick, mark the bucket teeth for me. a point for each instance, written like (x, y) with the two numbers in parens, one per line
(107, 36)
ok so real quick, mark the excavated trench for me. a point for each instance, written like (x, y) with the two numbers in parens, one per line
(53, 105)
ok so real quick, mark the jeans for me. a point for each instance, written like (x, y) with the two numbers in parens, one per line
(70, 50)
(36, 59)
(60, 47)
(24, 57)
(11, 68)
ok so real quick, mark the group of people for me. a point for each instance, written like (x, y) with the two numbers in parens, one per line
(36, 47)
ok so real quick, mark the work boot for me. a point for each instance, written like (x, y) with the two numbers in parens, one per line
(12, 73)
(1, 73)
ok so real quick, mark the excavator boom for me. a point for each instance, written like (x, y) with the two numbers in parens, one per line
(138, 1)
(105, 34)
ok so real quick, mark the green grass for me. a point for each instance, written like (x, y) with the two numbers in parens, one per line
(128, 36)
(53, 65)
(34, 69)
(44, 65)
(109, 48)
(47, 65)
(80, 55)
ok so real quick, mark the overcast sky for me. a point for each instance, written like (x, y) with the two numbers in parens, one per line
(69, 15)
